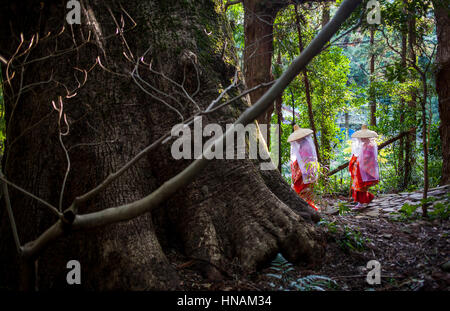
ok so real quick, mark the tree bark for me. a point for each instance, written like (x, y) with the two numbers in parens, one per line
(258, 32)
(402, 107)
(441, 12)
(111, 119)
(423, 104)
(325, 14)
(410, 144)
(373, 100)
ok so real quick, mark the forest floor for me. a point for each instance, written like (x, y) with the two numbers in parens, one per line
(413, 252)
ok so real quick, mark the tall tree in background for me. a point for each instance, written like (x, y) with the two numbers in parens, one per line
(410, 144)
(306, 82)
(442, 14)
(401, 163)
(372, 96)
(258, 29)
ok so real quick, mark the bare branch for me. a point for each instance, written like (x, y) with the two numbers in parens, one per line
(10, 215)
(52, 208)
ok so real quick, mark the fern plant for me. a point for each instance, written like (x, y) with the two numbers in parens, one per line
(281, 268)
(314, 282)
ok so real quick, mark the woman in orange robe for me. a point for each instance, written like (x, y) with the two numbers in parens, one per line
(363, 166)
(303, 164)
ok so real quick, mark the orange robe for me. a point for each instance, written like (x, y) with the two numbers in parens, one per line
(360, 187)
(305, 191)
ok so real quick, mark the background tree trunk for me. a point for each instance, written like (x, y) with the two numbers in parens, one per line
(373, 98)
(441, 11)
(232, 212)
(258, 32)
(401, 164)
(410, 144)
(306, 80)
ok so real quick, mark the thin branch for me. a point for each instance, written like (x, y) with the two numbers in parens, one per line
(3, 60)
(52, 208)
(10, 215)
(232, 85)
(66, 153)
(239, 96)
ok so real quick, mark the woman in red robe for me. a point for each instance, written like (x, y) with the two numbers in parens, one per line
(363, 166)
(303, 164)
(305, 191)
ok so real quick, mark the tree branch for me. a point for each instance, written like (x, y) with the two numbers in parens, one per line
(230, 3)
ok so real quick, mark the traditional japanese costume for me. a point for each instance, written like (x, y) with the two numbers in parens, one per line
(363, 164)
(303, 164)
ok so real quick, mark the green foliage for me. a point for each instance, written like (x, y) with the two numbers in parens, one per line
(281, 268)
(235, 14)
(441, 211)
(352, 240)
(343, 208)
(314, 282)
(408, 209)
(331, 226)
(346, 237)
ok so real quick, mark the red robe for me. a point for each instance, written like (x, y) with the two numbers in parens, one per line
(305, 191)
(360, 187)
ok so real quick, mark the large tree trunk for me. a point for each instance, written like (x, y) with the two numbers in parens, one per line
(232, 212)
(442, 12)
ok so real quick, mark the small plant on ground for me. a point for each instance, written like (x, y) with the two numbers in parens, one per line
(441, 211)
(314, 282)
(281, 268)
(343, 209)
(331, 226)
(352, 240)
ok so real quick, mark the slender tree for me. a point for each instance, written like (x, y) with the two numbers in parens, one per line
(441, 12)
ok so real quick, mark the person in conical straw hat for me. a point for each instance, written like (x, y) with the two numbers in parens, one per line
(303, 163)
(363, 166)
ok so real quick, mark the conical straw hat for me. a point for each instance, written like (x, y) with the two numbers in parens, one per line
(364, 132)
(298, 133)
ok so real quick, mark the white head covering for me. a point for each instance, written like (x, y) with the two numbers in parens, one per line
(304, 151)
(366, 150)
